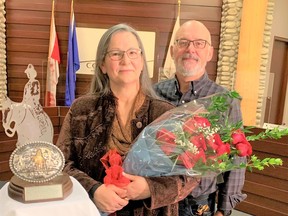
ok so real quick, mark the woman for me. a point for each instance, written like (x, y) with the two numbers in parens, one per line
(120, 104)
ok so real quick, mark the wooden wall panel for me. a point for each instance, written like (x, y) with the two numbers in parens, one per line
(28, 25)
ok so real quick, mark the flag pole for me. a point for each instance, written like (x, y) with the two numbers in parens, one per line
(71, 9)
(179, 7)
(169, 67)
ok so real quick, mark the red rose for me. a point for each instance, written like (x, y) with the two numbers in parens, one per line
(217, 144)
(189, 159)
(189, 126)
(199, 141)
(202, 122)
(244, 149)
(242, 145)
(167, 140)
(165, 136)
(238, 136)
(222, 149)
(192, 124)
(215, 141)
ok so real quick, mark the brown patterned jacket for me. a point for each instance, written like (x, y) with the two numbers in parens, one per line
(83, 138)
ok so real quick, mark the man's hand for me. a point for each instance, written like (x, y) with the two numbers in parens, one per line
(218, 213)
(222, 213)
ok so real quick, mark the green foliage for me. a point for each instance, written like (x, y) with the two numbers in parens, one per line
(274, 133)
(266, 162)
(217, 112)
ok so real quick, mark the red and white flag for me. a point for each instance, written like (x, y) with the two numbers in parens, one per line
(52, 64)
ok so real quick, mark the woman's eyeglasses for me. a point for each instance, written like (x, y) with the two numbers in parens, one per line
(117, 55)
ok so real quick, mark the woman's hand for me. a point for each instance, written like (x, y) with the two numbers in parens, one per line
(138, 188)
(110, 198)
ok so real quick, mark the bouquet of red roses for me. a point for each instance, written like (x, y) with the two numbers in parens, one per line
(196, 139)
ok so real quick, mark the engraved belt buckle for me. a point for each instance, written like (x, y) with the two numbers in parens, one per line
(201, 209)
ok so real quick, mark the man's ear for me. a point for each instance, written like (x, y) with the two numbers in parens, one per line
(210, 54)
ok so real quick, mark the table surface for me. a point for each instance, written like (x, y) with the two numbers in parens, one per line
(77, 203)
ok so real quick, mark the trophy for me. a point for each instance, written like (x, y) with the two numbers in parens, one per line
(37, 168)
(36, 162)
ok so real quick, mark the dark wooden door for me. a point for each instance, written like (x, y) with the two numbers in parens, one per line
(278, 76)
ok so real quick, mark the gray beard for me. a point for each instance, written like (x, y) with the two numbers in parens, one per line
(188, 73)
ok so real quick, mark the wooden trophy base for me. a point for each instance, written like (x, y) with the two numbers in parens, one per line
(56, 189)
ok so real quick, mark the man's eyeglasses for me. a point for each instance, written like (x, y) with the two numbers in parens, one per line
(117, 55)
(198, 44)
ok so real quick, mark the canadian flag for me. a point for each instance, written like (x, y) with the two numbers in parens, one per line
(52, 64)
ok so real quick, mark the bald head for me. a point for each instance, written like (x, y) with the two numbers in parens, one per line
(195, 29)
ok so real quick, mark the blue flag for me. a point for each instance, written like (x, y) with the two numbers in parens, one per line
(73, 63)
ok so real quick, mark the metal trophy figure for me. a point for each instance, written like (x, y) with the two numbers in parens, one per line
(36, 162)
(27, 118)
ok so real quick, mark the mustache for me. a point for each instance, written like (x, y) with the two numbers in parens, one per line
(189, 56)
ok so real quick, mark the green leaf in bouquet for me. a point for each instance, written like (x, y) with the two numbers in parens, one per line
(274, 133)
(234, 94)
(266, 162)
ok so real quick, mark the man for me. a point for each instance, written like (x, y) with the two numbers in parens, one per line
(191, 52)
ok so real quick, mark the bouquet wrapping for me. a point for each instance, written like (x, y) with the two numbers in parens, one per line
(196, 139)
(173, 144)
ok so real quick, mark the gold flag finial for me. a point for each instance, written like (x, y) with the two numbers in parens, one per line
(179, 5)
